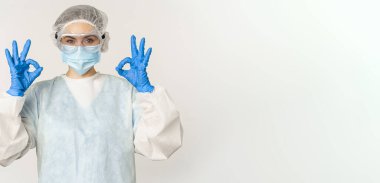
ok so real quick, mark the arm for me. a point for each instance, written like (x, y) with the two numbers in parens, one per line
(157, 124)
(156, 121)
(14, 138)
(17, 112)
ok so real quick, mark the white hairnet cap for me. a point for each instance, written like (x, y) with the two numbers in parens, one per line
(83, 13)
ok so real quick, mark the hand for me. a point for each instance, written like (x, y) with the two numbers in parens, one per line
(137, 74)
(21, 78)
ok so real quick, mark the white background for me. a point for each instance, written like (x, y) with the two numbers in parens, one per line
(269, 91)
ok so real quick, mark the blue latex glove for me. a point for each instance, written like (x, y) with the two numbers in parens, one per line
(21, 78)
(137, 74)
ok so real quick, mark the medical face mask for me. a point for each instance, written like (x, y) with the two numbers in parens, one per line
(81, 58)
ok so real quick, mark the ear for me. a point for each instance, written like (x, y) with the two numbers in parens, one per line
(105, 42)
(53, 37)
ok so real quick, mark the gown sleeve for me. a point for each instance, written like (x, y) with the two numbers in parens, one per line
(17, 116)
(156, 122)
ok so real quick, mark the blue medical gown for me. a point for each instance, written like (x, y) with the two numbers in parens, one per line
(82, 145)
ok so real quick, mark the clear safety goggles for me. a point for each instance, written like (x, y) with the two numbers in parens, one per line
(85, 39)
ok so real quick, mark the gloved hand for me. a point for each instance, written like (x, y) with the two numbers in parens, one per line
(137, 74)
(21, 78)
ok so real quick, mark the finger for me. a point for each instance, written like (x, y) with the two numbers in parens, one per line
(142, 45)
(119, 67)
(147, 56)
(33, 62)
(15, 52)
(133, 46)
(25, 50)
(35, 74)
(9, 59)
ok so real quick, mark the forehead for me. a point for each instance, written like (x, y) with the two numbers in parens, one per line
(78, 36)
(79, 28)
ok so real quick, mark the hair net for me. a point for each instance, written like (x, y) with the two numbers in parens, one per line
(86, 14)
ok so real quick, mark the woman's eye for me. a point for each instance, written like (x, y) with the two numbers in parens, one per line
(70, 41)
(89, 40)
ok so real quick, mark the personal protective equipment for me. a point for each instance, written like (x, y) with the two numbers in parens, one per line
(86, 14)
(21, 78)
(137, 74)
(88, 143)
(81, 58)
(87, 39)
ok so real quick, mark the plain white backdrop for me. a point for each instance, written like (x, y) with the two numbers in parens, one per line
(269, 91)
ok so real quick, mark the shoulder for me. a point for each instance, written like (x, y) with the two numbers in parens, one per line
(117, 80)
(44, 83)
(112, 77)
(117, 84)
(40, 85)
(37, 88)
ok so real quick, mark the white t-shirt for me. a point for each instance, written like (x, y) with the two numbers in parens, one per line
(85, 89)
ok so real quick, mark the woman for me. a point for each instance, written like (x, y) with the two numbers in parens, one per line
(86, 126)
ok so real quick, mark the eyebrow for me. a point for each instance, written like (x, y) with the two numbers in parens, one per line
(73, 37)
(69, 37)
(92, 36)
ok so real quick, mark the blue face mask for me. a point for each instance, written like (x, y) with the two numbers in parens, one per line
(81, 58)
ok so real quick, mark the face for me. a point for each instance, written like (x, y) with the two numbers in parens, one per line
(80, 34)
